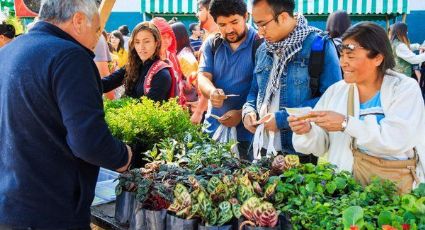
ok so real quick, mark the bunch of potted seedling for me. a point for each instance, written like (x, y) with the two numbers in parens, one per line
(192, 182)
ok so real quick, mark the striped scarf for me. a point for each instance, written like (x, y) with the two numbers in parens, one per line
(285, 50)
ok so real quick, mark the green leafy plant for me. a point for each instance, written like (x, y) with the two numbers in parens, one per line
(142, 123)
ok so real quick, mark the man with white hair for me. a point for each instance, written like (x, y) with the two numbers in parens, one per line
(53, 135)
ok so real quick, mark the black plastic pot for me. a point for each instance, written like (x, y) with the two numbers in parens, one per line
(175, 223)
(283, 223)
(124, 205)
(224, 227)
(144, 219)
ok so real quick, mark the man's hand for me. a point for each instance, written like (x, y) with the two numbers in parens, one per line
(298, 126)
(231, 119)
(196, 118)
(250, 121)
(217, 97)
(327, 120)
(269, 122)
(126, 166)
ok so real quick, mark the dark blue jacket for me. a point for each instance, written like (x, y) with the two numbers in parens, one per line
(53, 135)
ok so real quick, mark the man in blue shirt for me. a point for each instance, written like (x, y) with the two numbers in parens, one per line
(53, 135)
(281, 76)
(195, 36)
(226, 68)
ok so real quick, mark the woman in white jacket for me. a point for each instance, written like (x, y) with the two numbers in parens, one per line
(385, 126)
(403, 50)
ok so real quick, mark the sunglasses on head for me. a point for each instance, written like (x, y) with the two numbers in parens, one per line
(348, 47)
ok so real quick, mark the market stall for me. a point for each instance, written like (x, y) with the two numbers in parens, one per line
(192, 182)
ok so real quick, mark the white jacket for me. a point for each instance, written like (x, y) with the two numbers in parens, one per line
(407, 54)
(402, 128)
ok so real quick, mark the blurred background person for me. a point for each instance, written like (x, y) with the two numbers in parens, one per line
(7, 33)
(126, 35)
(188, 65)
(119, 54)
(169, 48)
(206, 21)
(403, 50)
(338, 22)
(195, 38)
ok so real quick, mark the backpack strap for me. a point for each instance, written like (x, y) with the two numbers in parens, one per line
(316, 63)
(153, 70)
(257, 43)
(217, 40)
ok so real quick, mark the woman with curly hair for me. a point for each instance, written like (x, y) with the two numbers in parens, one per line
(145, 74)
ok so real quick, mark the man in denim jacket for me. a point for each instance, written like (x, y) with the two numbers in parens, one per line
(281, 78)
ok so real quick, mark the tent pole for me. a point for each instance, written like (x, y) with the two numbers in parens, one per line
(403, 18)
(104, 12)
(388, 22)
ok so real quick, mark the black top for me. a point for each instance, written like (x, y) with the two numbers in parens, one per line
(53, 135)
(160, 85)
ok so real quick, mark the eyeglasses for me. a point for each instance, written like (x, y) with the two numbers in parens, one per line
(348, 47)
(263, 27)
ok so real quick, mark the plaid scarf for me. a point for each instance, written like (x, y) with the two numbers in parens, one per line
(285, 50)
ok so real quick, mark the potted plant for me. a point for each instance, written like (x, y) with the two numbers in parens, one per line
(182, 211)
(259, 215)
(125, 192)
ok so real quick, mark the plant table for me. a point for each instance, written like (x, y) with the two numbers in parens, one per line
(102, 215)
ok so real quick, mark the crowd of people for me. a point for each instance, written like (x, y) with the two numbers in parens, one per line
(361, 89)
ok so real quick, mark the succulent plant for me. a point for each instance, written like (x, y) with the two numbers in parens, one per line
(257, 188)
(265, 215)
(225, 213)
(278, 165)
(245, 189)
(291, 161)
(128, 181)
(270, 190)
(182, 205)
(248, 207)
(236, 207)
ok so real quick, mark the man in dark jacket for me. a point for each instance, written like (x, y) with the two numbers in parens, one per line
(53, 135)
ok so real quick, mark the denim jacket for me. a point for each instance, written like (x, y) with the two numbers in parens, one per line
(295, 84)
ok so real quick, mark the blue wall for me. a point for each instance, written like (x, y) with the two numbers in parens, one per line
(416, 26)
(116, 19)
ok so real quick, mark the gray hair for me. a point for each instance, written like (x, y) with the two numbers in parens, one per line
(59, 11)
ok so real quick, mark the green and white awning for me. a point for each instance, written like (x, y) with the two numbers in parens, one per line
(352, 6)
(304, 6)
(6, 5)
(171, 6)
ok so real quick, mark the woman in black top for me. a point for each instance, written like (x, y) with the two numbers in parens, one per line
(144, 58)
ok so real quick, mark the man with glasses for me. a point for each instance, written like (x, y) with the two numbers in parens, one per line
(281, 76)
(226, 68)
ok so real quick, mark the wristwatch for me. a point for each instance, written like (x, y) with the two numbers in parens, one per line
(344, 123)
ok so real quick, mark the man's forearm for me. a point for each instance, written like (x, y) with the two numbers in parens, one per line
(205, 85)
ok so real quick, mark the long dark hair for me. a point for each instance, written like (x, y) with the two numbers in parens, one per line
(373, 38)
(134, 61)
(338, 22)
(118, 34)
(182, 36)
(399, 32)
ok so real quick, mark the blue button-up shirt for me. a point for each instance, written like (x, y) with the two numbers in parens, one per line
(232, 72)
